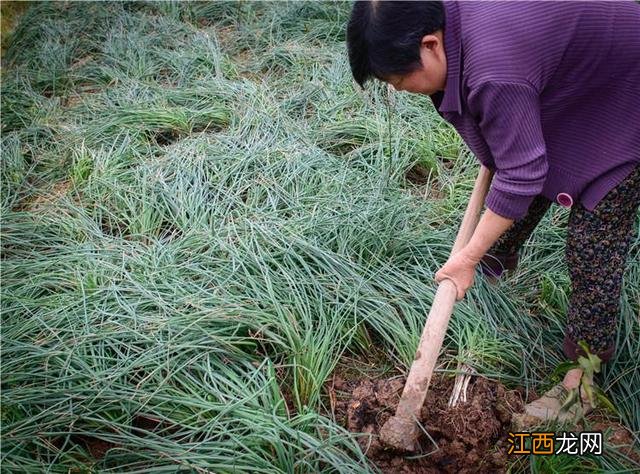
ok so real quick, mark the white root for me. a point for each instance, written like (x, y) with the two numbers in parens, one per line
(459, 392)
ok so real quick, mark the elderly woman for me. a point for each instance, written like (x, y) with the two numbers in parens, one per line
(546, 95)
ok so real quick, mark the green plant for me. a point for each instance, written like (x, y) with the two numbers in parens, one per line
(191, 241)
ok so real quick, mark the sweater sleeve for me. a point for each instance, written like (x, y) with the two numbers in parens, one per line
(508, 115)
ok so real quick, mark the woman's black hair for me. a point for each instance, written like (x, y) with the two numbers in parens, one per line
(383, 37)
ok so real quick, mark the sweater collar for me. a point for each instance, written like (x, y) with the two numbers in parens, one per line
(451, 101)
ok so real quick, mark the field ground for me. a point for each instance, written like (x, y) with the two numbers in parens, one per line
(218, 255)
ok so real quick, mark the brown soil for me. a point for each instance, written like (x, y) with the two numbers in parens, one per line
(44, 201)
(471, 437)
(418, 175)
(618, 436)
(422, 184)
(97, 448)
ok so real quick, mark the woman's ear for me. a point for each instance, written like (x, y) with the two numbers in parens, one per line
(433, 46)
(431, 42)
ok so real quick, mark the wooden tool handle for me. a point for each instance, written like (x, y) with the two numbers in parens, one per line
(415, 389)
(474, 209)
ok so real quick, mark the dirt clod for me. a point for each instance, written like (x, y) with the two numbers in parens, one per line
(468, 438)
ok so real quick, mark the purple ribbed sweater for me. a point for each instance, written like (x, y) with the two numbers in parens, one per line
(545, 93)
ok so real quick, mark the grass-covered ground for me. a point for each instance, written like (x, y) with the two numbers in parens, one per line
(202, 216)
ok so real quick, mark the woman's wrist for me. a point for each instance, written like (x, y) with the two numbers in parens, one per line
(488, 231)
(472, 253)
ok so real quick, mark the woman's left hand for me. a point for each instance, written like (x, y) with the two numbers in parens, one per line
(460, 268)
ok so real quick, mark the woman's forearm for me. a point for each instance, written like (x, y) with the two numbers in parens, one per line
(490, 227)
(460, 268)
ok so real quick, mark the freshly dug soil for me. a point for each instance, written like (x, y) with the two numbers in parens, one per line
(470, 438)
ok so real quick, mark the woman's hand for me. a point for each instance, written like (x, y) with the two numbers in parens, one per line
(460, 268)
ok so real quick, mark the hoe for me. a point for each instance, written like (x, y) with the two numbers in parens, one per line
(401, 431)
